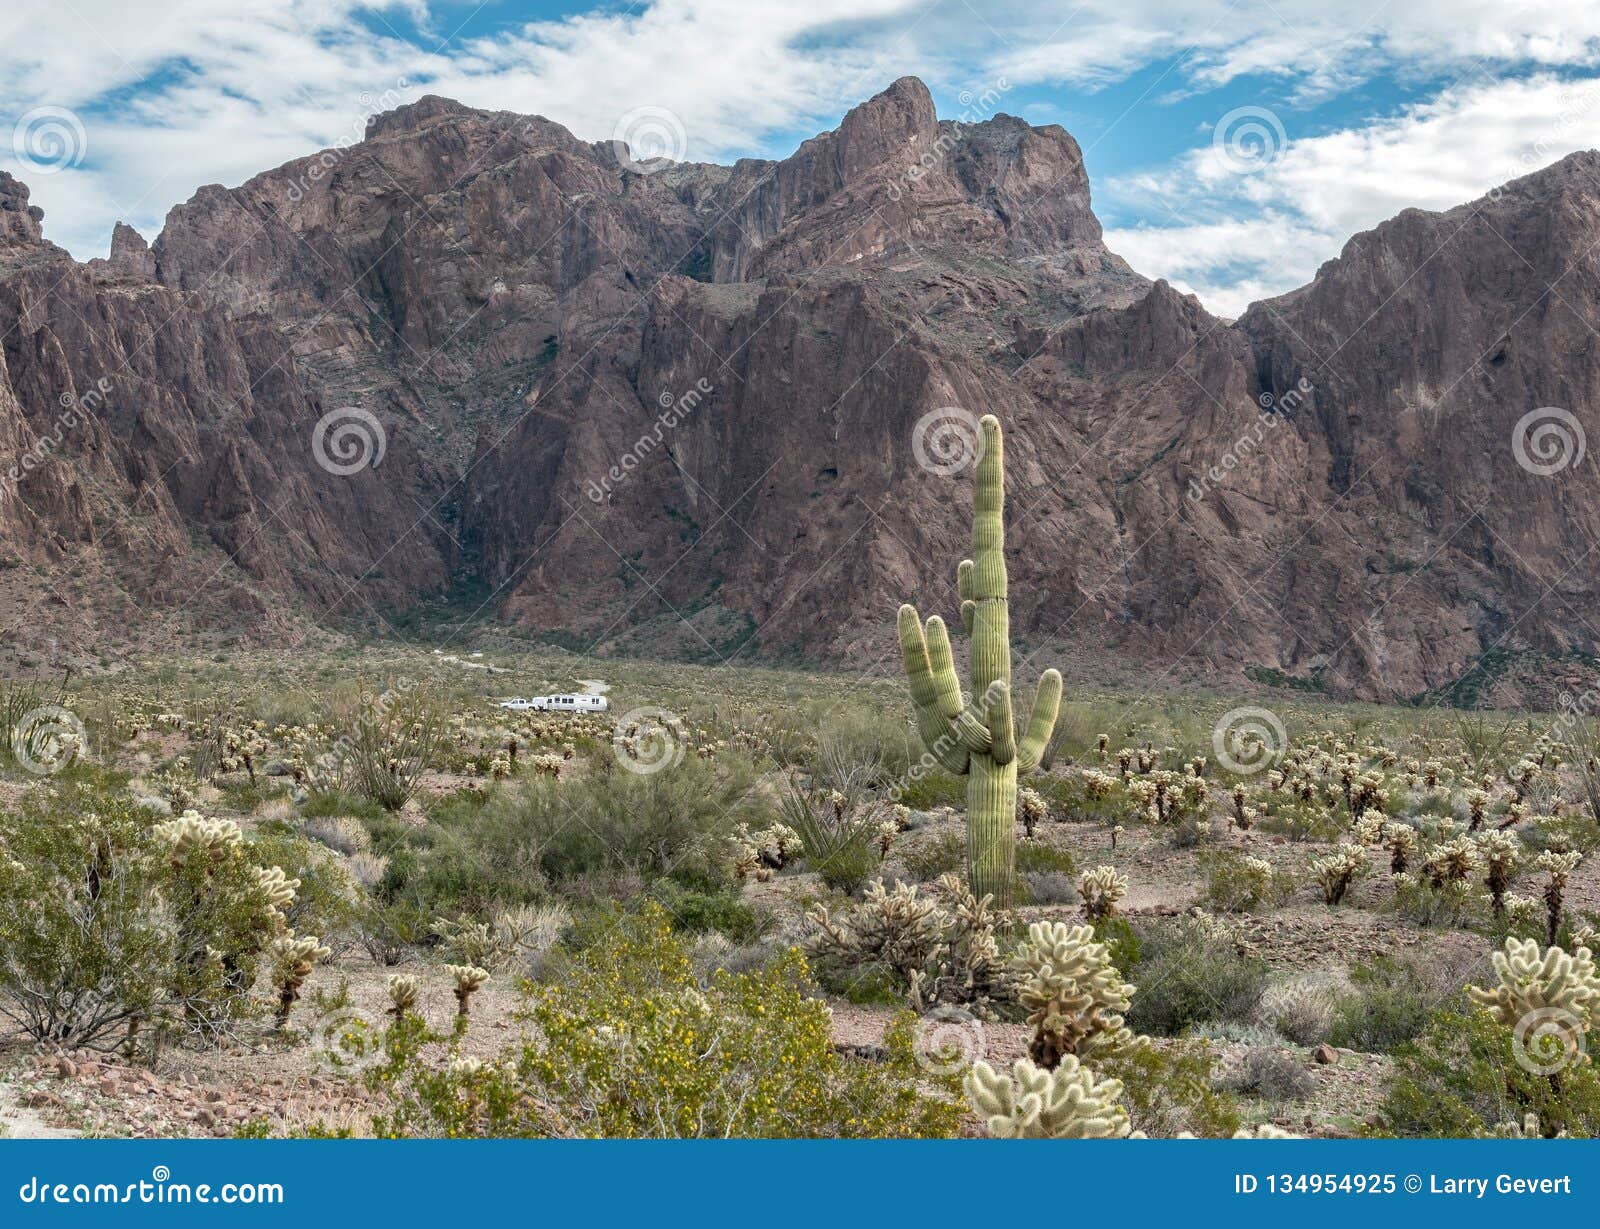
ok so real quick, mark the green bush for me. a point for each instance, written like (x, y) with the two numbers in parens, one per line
(945, 854)
(1171, 1088)
(1187, 974)
(1390, 1002)
(629, 1045)
(1460, 1078)
(697, 912)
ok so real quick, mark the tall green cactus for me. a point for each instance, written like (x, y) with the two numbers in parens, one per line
(975, 737)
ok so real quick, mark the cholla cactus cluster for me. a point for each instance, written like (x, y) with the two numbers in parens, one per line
(1032, 1102)
(402, 995)
(1338, 870)
(1558, 865)
(1101, 890)
(1400, 840)
(1543, 985)
(1031, 809)
(1452, 862)
(760, 855)
(941, 945)
(1074, 995)
(1499, 852)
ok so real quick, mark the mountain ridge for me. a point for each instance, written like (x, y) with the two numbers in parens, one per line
(515, 308)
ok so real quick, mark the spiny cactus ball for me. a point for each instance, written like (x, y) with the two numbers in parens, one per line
(1034, 1103)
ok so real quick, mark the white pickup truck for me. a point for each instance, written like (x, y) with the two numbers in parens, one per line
(558, 704)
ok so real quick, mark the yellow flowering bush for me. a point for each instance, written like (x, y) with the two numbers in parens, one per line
(628, 1044)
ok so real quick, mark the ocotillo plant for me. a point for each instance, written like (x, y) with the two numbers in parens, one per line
(975, 736)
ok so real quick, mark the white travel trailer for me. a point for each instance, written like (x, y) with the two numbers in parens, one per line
(565, 703)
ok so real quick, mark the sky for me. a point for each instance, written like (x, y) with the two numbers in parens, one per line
(1232, 145)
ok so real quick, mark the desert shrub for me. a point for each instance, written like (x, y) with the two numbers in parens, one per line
(837, 819)
(1048, 888)
(1301, 1009)
(1270, 1075)
(1302, 819)
(326, 900)
(933, 788)
(1391, 1000)
(1238, 883)
(721, 912)
(945, 854)
(629, 1045)
(545, 834)
(1171, 1088)
(1461, 1078)
(1187, 972)
(391, 931)
(110, 924)
(391, 738)
(1034, 857)
(1089, 798)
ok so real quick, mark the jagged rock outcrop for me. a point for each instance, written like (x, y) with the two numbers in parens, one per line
(675, 412)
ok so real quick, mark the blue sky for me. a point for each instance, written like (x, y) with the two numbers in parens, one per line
(1232, 145)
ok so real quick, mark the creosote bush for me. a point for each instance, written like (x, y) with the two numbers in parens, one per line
(629, 1044)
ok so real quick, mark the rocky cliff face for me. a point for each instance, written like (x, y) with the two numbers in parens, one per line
(678, 412)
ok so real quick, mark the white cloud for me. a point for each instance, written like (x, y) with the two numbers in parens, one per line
(1238, 236)
(176, 93)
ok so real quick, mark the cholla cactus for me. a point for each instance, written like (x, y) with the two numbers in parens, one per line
(1524, 915)
(1066, 1102)
(1558, 865)
(402, 995)
(1551, 995)
(1368, 828)
(758, 855)
(1101, 890)
(1500, 853)
(1336, 871)
(192, 834)
(1097, 785)
(292, 961)
(1528, 1128)
(978, 738)
(469, 980)
(1265, 1130)
(1031, 809)
(276, 888)
(1074, 995)
(1477, 806)
(1451, 862)
(886, 837)
(1401, 842)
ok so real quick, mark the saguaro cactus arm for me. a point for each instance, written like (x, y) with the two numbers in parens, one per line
(1041, 721)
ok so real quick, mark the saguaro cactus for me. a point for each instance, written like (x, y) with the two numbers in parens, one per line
(973, 735)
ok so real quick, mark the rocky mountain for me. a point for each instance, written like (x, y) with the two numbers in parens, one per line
(687, 412)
